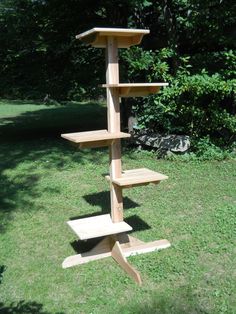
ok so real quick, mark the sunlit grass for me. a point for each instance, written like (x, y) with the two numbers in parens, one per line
(44, 182)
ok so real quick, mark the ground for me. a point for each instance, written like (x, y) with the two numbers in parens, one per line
(45, 181)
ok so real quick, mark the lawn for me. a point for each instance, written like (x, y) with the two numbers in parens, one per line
(44, 181)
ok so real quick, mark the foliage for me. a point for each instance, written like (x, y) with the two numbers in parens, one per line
(195, 104)
(191, 45)
(204, 150)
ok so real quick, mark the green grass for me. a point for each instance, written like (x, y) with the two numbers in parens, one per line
(45, 181)
(28, 119)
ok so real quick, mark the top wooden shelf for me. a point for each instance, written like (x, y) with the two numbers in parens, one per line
(97, 37)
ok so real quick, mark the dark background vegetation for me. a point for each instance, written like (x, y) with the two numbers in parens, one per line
(191, 45)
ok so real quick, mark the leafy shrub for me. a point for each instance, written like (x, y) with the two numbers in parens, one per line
(198, 104)
(222, 62)
(206, 150)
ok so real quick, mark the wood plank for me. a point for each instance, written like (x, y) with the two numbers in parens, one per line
(138, 92)
(91, 136)
(96, 144)
(113, 118)
(136, 89)
(79, 259)
(141, 176)
(135, 85)
(97, 37)
(126, 240)
(98, 41)
(104, 250)
(98, 226)
(146, 247)
(119, 257)
(112, 32)
(101, 250)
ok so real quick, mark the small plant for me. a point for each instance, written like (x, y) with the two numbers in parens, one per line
(206, 150)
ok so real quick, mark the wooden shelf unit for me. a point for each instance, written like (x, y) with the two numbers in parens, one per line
(136, 89)
(116, 242)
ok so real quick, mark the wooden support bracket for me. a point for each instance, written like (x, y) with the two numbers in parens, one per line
(119, 257)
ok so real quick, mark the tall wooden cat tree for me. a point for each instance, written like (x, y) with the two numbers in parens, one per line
(116, 242)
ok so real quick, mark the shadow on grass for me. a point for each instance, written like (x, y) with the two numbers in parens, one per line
(2, 269)
(102, 199)
(23, 307)
(31, 144)
(137, 223)
(181, 301)
(53, 120)
(81, 246)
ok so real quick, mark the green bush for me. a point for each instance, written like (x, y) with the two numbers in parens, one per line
(206, 150)
(196, 104)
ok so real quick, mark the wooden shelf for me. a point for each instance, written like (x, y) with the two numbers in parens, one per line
(97, 37)
(98, 226)
(136, 177)
(94, 138)
(136, 89)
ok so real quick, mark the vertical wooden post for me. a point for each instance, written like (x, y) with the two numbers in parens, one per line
(113, 119)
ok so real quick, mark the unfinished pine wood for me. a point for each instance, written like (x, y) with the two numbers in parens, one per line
(98, 226)
(145, 247)
(126, 240)
(101, 250)
(119, 257)
(117, 243)
(136, 177)
(97, 37)
(113, 119)
(96, 144)
(97, 138)
(136, 89)
(104, 249)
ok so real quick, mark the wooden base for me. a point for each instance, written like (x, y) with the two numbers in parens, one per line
(119, 247)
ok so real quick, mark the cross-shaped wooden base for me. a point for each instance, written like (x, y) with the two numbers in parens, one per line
(119, 247)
